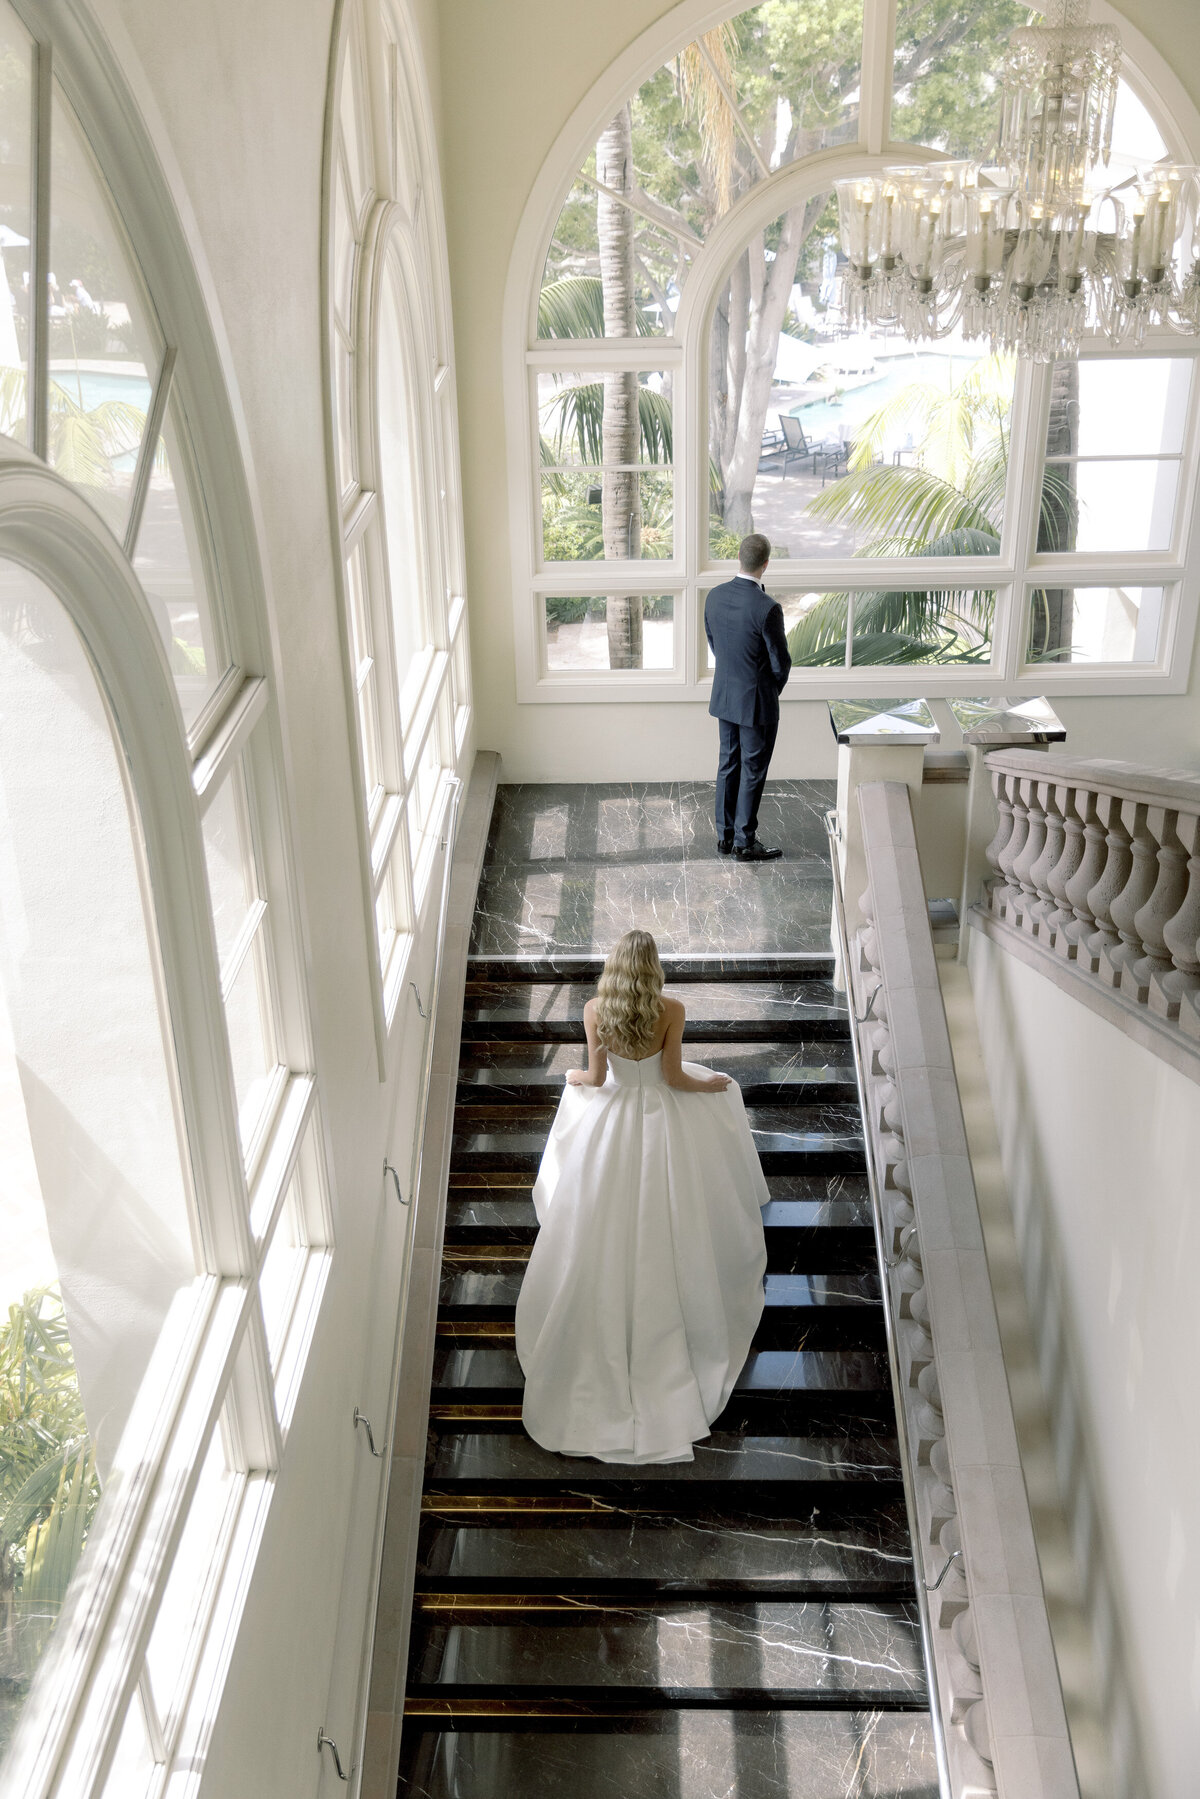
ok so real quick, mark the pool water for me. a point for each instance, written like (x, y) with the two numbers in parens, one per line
(840, 418)
(93, 387)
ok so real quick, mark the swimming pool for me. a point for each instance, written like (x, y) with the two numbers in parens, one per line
(841, 418)
(93, 387)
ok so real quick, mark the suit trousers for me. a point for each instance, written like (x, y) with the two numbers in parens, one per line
(741, 776)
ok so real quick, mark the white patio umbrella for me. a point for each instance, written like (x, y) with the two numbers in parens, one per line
(10, 353)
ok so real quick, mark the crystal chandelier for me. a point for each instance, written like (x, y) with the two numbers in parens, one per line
(1034, 247)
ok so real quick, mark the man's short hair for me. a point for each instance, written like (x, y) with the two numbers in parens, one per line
(754, 552)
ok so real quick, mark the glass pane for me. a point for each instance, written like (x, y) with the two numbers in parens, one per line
(355, 133)
(16, 126)
(588, 631)
(173, 569)
(133, 1765)
(862, 445)
(944, 75)
(398, 473)
(1094, 624)
(103, 349)
(343, 376)
(87, 1121)
(192, 1584)
(1136, 139)
(680, 152)
(251, 1045)
(366, 677)
(282, 1273)
(1119, 406)
(586, 420)
(1108, 505)
(231, 882)
(949, 626)
(611, 513)
(1104, 412)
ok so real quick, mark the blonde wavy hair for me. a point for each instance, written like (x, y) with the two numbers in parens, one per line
(629, 996)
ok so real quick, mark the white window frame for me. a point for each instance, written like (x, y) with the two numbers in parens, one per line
(690, 571)
(210, 1368)
(396, 226)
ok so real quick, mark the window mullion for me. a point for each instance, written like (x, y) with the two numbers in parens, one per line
(39, 305)
(148, 449)
(875, 86)
(228, 738)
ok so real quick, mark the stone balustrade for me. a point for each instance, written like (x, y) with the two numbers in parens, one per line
(996, 1688)
(1098, 863)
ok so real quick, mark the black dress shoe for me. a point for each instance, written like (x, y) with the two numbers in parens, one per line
(724, 846)
(755, 852)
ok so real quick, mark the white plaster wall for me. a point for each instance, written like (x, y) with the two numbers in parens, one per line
(1101, 1144)
(234, 98)
(511, 76)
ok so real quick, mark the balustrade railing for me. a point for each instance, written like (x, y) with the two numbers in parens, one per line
(1099, 862)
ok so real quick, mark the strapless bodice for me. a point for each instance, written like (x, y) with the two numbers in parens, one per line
(646, 1073)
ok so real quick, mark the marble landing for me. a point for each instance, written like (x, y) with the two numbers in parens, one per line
(571, 867)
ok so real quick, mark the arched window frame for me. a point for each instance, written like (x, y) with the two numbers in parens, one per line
(690, 571)
(211, 1374)
(383, 120)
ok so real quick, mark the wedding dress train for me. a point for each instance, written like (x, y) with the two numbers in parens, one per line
(645, 1285)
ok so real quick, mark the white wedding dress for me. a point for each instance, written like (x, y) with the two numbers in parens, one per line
(645, 1284)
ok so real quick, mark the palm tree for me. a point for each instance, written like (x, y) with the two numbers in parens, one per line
(48, 1483)
(950, 502)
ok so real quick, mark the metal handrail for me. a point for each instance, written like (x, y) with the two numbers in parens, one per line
(922, 1586)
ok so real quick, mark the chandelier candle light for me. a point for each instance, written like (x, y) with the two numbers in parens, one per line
(1033, 248)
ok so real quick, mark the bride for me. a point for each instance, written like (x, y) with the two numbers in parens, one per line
(645, 1285)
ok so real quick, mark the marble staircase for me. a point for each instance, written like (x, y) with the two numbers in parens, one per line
(745, 1623)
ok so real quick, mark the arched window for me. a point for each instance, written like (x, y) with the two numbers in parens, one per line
(393, 452)
(685, 375)
(166, 1240)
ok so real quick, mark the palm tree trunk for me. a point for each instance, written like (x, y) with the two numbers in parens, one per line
(1058, 520)
(620, 495)
(770, 289)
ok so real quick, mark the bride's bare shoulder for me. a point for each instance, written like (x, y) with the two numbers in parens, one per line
(673, 1008)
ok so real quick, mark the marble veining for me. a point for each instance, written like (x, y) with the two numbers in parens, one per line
(569, 868)
(716, 1754)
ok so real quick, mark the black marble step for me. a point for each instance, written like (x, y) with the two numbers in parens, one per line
(710, 1754)
(787, 1475)
(477, 1210)
(641, 1552)
(750, 1011)
(763, 1082)
(801, 965)
(815, 1138)
(492, 1374)
(672, 1651)
(801, 1236)
(777, 1391)
(810, 1310)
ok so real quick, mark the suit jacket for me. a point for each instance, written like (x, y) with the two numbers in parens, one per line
(744, 627)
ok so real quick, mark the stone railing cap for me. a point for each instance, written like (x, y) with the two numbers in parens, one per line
(883, 721)
(1007, 721)
(1175, 788)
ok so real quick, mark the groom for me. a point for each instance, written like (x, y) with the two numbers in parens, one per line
(744, 627)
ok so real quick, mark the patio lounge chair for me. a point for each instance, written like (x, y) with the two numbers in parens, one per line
(796, 447)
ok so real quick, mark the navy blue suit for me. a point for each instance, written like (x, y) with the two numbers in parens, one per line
(745, 632)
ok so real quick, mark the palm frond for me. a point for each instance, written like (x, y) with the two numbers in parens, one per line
(704, 103)
(577, 414)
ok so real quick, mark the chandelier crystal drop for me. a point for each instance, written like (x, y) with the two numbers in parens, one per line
(1038, 245)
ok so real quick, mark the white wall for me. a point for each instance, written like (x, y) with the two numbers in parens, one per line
(1101, 1146)
(511, 75)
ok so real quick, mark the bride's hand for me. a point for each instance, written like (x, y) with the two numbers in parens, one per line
(717, 1083)
(576, 1077)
